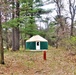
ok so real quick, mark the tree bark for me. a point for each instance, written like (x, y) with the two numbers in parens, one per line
(71, 32)
(6, 29)
(72, 10)
(15, 41)
(15, 30)
(1, 44)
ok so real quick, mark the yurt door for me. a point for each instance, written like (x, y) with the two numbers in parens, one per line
(37, 45)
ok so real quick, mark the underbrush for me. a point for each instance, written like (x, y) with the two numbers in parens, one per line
(69, 43)
(23, 62)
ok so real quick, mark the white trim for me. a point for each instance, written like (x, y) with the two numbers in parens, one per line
(38, 50)
(37, 45)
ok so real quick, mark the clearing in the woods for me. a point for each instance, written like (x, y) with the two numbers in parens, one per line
(59, 62)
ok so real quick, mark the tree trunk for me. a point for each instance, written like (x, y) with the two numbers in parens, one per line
(15, 41)
(1, 44)
(22, 40)
(6, 29)
(72, 10)
(59, 13)
(7, 43)
(71, 32)
(6, 33)
(15, 30)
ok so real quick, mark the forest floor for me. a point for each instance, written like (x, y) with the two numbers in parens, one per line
(59, 62)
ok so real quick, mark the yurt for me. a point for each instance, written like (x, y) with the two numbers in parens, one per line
(36, 43)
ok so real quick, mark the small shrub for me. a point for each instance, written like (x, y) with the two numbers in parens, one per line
(69, 43)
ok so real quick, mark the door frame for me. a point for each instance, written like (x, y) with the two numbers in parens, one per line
(37, 45)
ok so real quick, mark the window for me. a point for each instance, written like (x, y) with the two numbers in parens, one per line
(37, 43)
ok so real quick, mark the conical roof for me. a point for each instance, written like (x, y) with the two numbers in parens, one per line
(36, 38)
